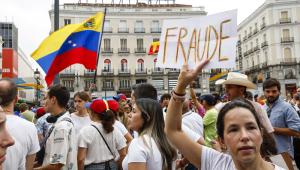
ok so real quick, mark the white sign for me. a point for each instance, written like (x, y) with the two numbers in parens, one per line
(193, 40)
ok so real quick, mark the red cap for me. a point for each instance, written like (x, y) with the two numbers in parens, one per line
(113, 105)
(120, 96)
(98, 105)
(190, 104)
(41, 111)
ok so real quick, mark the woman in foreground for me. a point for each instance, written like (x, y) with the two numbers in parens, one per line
(238, 128)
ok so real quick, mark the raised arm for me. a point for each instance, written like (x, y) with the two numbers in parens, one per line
(190, 149)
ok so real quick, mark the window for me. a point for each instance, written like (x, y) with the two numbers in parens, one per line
(125, 83)
(182, 9)
(107, 65)
(247, 64)
(106, 44)
(67, 22)
(155, 26)
(255, 25)
(287, 53)
(124, 65)
(263, 20)
(174, 70)
(140, 63)
(123, 43)
(250, 30)
(251, 45)
(88, 83)
(256, 42)
(107, 26)
(69, 84)
(140, 44)
(108, 84)
(169, 9)
(68, 69)
(284, 14)
(265, 37)
(155, 39)
(266, 56)
(139, 26)
(156, 68)
(123, 26)
(154, 9)
(158, 84)
(258, 61)
(286, 33)
(239, 37)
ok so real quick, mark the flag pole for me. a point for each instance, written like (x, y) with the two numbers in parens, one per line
(99, 46)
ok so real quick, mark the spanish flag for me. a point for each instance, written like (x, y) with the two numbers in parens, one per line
(154, 48)
(74, 43)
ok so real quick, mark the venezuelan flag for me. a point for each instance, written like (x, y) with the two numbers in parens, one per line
(154, 48)
(74, 43)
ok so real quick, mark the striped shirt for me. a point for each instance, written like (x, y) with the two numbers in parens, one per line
(194, 122)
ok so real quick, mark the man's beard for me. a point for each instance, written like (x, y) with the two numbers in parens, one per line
(273, 100)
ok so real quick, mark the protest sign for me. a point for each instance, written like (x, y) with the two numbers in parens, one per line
(195, 39)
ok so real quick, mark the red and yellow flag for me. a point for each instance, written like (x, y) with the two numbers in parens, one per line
(154, 48)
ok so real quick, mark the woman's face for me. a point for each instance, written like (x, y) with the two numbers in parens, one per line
(79, 103)
(135, 119)
(242, 135)
(126, 109)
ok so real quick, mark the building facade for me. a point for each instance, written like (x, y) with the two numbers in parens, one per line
(129, 31)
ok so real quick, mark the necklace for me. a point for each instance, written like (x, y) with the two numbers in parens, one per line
(82, 121)
(80, 117)
(261, 165)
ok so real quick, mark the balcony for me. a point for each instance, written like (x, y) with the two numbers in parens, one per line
(139, 30)
(289, 75)
(89, 72)
(264, 44)
(71, 89)
(124, 72)
(123, 30)
(250, 35)
(88, 88)
(155, 30)
(109, 72)
(107, 88)
(123, 50)
(245, 38)
(157, 70)
(265, 64)
(263, 26)
(125, 88)
(250, 51)
(107, 30)
(253, 68)
(288, 61)
(246, 53)
(256, 48)
(285, 20)
(141, 71)
(140, 50)
(68, 72)
(287, 39)
(106, 50)
(174, 71)
(255, 31)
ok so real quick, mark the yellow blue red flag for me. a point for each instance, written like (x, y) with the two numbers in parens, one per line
(74, 43)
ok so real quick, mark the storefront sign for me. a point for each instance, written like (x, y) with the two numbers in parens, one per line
(9, 63)
(290, 81)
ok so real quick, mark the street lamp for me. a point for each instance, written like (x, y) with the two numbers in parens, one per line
(37, 77)
(168, 72)
(77, 85)
(105, 73)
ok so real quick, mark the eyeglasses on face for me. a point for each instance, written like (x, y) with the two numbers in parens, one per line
(127, 108)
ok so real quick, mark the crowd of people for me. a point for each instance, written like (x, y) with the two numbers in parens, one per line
(235, 130)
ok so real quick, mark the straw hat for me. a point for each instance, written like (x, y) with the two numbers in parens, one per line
(237, 79)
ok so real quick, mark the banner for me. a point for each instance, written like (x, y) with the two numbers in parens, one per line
(196, 39)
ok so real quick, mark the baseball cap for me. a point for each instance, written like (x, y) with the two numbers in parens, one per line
(41, 111)
(120, 96)
(98, 106)
(113, 105)
(209, 98)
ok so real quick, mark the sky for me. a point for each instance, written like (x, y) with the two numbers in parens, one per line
(31, 17)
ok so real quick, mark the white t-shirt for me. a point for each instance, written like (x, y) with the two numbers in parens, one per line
(138, 152)
(218, 105)
(24, 132)
(193, 121)
(123, 131)
(212, 159)
(80, 122)
(89, 137)
(61, 145)
(15, 159)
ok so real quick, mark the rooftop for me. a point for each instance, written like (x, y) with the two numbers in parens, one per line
(129, 5)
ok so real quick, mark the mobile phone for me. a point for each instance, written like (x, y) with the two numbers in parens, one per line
(210, 140)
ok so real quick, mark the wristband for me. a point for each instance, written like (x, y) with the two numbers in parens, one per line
(179, 94)
(178, 100)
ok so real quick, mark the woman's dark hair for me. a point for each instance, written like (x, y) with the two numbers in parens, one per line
(108, 119)
(83, 96)
(268, 145)
(155, 128)
(115, 113)
(270, 83)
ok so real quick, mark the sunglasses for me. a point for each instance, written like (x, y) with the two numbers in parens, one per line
(126, 108)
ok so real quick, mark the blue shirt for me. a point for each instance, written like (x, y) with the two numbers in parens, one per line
(283, 115)
(17, 114)
(42, 125)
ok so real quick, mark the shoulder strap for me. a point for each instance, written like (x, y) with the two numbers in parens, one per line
(103, 139)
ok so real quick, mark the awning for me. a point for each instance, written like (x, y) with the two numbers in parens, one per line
(26, 83)
(222, 75)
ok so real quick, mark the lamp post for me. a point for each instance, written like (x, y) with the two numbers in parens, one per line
(105, 73)
(168, 72)
(37, 77)
(77, 85)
